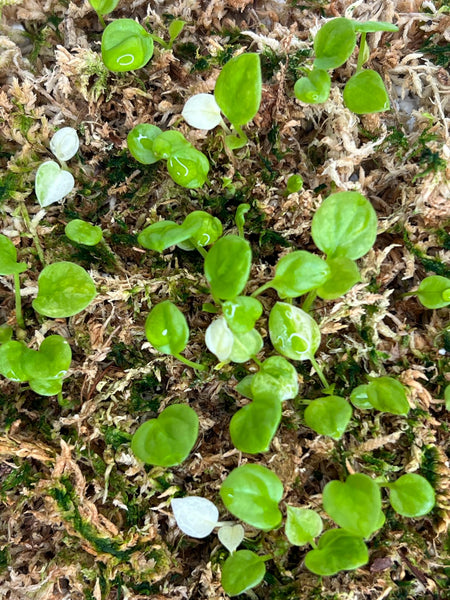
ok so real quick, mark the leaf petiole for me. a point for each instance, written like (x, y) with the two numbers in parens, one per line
(189, 363)
(19, 315)
(319, 371)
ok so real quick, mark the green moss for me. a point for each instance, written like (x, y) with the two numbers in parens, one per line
(22, 477)
(145, 394)
(430, 465)
(439, 52)
(126, 357)
(115, 437)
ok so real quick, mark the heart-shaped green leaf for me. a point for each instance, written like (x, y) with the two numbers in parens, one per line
(227, 266)
(412, 495)
(355, 504)
(313, 89)
(302, 525)
(242, 571)
(52, 183)
(252, 493)
(299, 272)
(366, 93)
(166, 328)
(64, 289)
(277, 378)
(51, 361)
(337, 550)
(329, 416)
(293, 332)
(388, 395)
(8, 258)
(203, 229)
(253, 426)
(11, 361)
(126, 46)
(167, 440)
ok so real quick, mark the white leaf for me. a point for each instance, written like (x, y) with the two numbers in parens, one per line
(195, 516)
(231, 536)
(202, 111)
(65, 143)
(52, 183)
(219, 339)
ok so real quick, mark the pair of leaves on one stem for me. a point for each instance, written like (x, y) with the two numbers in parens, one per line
(187, 166)
(334, 43)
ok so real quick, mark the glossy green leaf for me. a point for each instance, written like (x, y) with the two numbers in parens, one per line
(46, 387)
(314, 88)
(302, 525)
(188, 167)
(446, 397)
(434, 291)
(329, 416)
(52, 183)
(51, 361)
(244, 387)
(299, 272)
(412, 495)
(252, 428)
(355, 504)
(373, 26)
(252, 493)
(277, 379)
(163, 234)
(242, 313)
(140, 143)
(388, 395)
(64, 290)
(83, 233)
(8, 258)
(169, 439)
(293, 332)
(242, 571)
(344, 273)
(166, 328)
(366, 93)
(360, 398)
(337, 550)
(169, 143)
(227, 266)
(203, 228)
(104, 7)
(345, 225)
(334, 43)
(245, 346)
(126, 46)
(238, 88)
(11, 361)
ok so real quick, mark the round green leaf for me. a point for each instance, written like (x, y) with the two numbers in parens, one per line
(337, 550)
(313, 89)
(334, 43)
(83, 233)
(365, 93)
(126, 46)
(388, 395)
(140, 143)
(51, 361)
(277, 379)
(238, 88)
(64, 290)
(344, 273)
(188, 167)
(161, 235)
(345, 225)
(227, 266)
(245, 346)
(8, 258)
(302, 525)
(434, 291)
(167, 440)
(12, 365)
(242, 313)
(412, 495)
(242, 571)
(253, 426)
(299, 272)
(203, 229)
(360, 398)
(329, 416)
(166, 328)
(244, 387)
(355, 504)
(252, 493)
(293, 332)
(294, 184)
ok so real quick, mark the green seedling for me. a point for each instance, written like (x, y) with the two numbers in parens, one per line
(229, 346)
(52, 183)
(434, 292)
(252, 493)
(167, 330)
(242, 571)
(337, 550)
(187, 166)
(302, 525)
(383, 393)
(227, 267)
(43, 369)
(294, 184)
(103, 7)
(355, 505)
(195, 516)
(126, 46)
(411, 495)
(82, 232)
(329, 416)
(10, 266)
(252, 428)
(241, 313)
(175, 28)
(238, 94)
(169, 439)
(334, 43)
(64, 290)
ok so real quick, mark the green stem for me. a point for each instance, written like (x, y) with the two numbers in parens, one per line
(309, 301)
(201, 250)
(189, 363)
(225, 127)
(32, 230)
(261, 289)
(19, 315)
(362, 51)
(101, 19)
(319, 372)
(258, 362)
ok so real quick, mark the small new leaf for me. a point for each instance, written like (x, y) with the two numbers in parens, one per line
(302, 525)
(412, 495)
(242, 571)
(166, 328)
(195, 516)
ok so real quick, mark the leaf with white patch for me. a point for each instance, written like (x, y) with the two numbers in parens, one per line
(195, 516)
